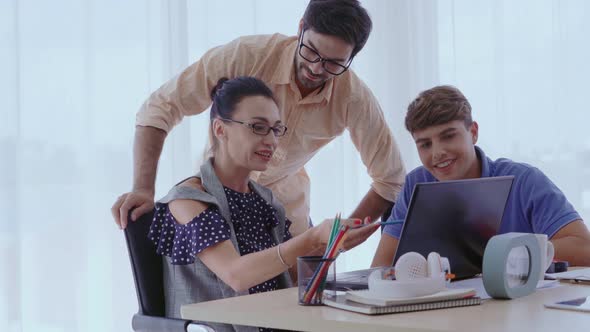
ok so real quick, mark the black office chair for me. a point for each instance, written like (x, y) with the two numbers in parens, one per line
(147, 273)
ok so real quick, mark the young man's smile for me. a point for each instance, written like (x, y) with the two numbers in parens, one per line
(447, 151)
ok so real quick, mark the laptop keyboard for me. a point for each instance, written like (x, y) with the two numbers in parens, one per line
(355, 276)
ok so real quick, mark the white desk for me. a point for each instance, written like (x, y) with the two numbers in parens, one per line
(279, 309)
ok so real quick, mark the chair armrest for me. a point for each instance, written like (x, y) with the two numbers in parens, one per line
(143, 323)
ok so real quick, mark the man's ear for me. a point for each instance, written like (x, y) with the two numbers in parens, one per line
(474, 130)
(300, 28)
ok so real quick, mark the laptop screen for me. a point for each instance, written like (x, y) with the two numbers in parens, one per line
(455, 219)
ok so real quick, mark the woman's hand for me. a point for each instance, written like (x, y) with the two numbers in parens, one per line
(322, 234)
(357, 233)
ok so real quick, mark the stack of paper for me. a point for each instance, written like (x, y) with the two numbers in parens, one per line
(367, 302)
(578, 275)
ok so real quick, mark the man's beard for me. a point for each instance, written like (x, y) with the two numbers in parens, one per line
(301, 70)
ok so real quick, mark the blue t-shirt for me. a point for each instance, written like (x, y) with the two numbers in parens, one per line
(535, 204)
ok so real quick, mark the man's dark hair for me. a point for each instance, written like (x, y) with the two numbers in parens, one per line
(345, 19)
(439, 105)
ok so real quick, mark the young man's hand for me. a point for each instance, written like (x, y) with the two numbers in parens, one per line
(359, 233)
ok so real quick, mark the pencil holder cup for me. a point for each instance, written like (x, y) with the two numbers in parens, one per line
(316, 277)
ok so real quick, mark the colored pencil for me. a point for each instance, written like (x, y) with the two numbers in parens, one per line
(322, 269)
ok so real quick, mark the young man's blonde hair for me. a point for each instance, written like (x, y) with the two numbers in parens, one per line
(436, 106)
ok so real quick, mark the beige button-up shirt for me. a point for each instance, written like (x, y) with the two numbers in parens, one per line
(344, 102)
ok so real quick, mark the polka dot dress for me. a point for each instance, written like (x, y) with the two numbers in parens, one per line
(253, 219)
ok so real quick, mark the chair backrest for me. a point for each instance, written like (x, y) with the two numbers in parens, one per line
(147, 267)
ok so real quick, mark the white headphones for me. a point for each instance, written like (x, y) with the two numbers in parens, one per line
(414, 276)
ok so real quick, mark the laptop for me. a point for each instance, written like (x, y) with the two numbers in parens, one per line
(454, 218)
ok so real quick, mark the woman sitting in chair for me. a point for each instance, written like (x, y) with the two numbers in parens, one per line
(224, 235)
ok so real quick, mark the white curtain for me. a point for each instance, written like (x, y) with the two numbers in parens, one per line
(73, 74)
(524, 66)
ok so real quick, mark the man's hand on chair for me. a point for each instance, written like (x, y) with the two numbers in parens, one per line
(138, 201)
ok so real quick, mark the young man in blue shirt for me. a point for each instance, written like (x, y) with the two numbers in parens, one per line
(440, 122)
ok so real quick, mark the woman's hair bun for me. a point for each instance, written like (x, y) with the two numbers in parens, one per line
(218, 86)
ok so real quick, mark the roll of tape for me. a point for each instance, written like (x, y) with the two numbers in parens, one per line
(495, 260)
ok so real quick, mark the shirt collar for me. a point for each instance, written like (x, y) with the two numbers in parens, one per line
(324, 92)
(285, 67)
(485, 162)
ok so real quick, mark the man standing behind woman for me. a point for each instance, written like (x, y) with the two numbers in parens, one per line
(223, 234)
(318, 98)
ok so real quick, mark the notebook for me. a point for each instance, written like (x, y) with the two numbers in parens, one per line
(341, 302)
(454, 218)
(373, 298)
